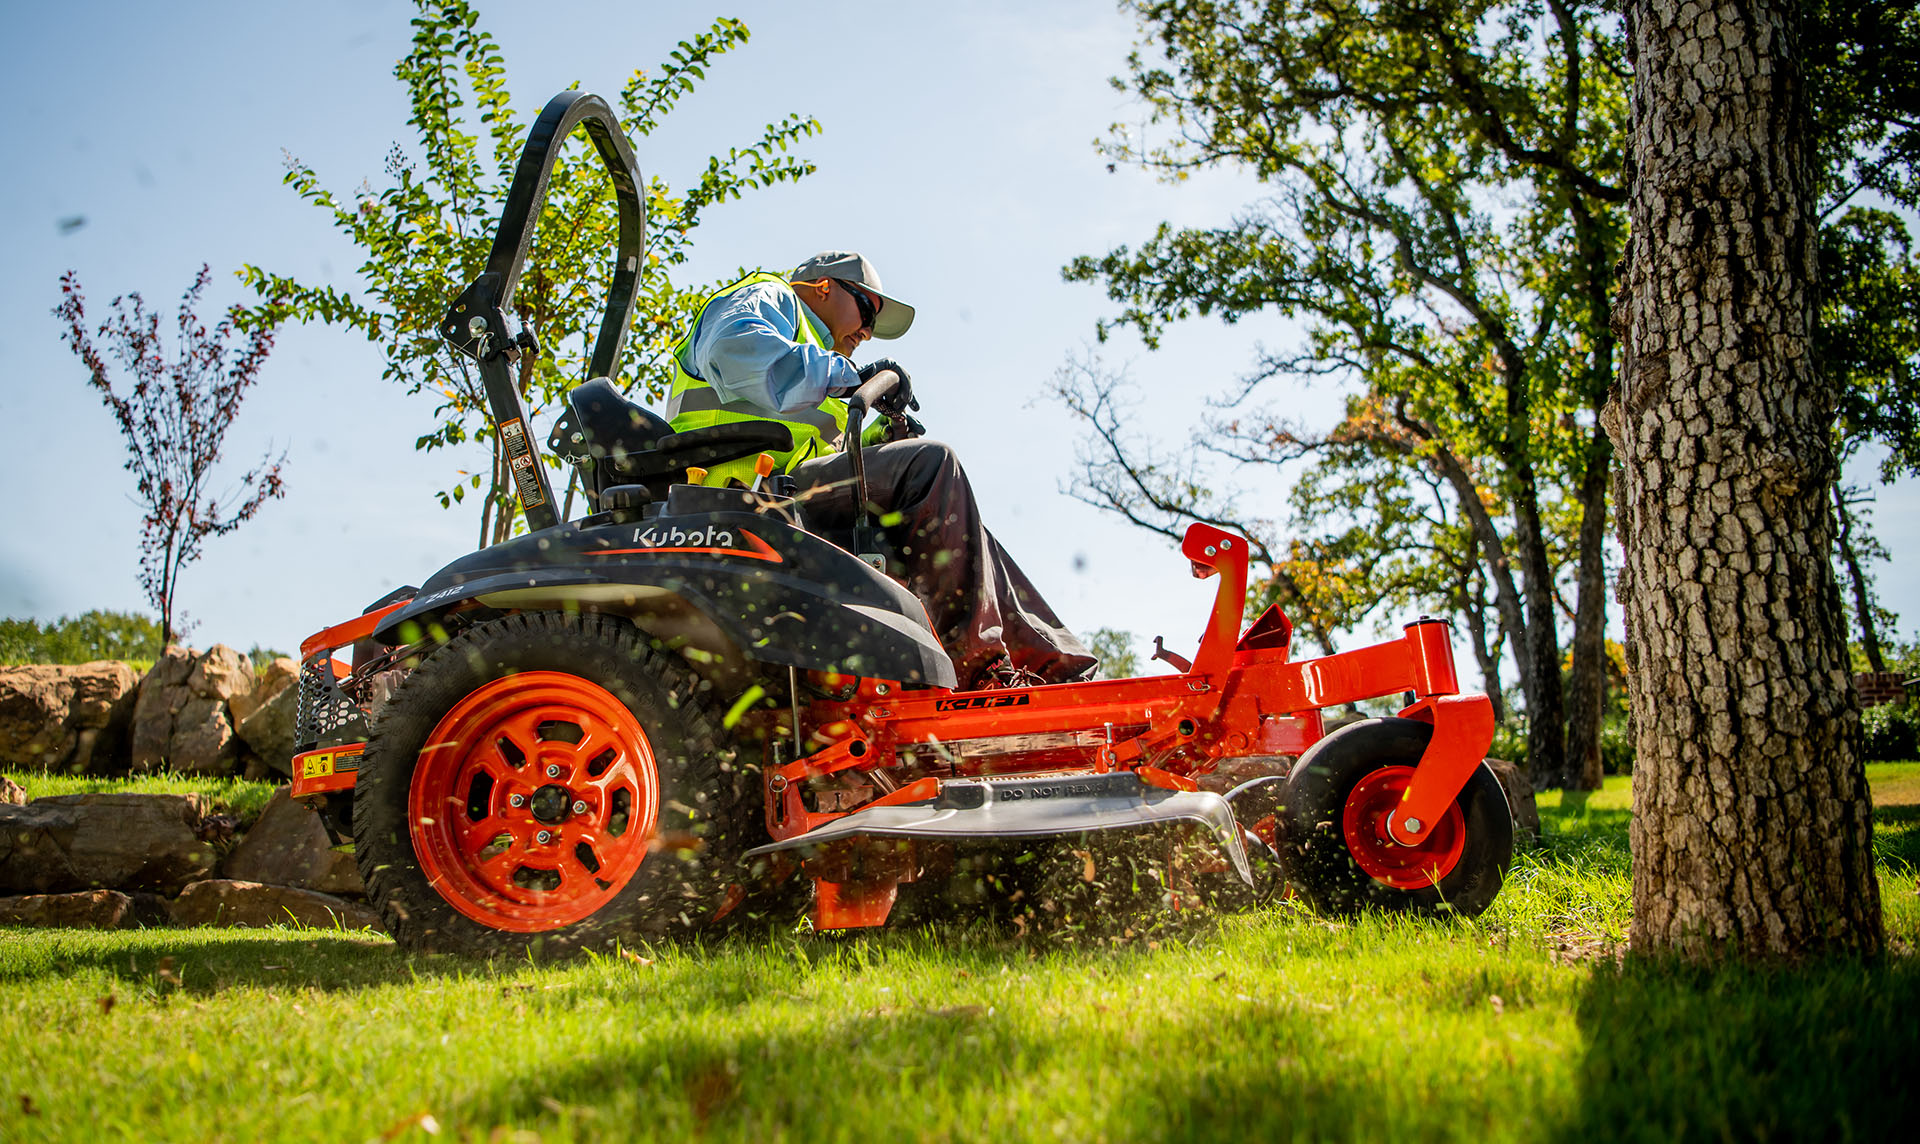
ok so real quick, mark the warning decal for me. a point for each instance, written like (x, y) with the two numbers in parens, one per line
(513, 434)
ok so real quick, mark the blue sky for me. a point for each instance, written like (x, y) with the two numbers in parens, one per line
(957, 154)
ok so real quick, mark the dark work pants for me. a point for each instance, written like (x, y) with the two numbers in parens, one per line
(981, 604)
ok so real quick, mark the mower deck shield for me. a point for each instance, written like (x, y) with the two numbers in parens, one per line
(1031, 806)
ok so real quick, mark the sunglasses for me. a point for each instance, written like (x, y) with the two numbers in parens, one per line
(869, 307)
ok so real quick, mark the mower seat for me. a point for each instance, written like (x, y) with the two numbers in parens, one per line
(617, 442)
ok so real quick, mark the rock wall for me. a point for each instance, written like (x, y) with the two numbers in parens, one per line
(108, 861)
(199, 713)
(65, 717)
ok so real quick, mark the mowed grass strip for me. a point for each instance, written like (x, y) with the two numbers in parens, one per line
(1522, 1025)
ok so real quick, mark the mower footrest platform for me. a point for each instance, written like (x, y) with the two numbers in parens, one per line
(1032, 806)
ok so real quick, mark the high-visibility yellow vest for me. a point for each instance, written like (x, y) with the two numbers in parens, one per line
(693, 403)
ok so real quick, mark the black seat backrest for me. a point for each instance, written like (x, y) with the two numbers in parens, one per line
(607, 425)
(616, 442)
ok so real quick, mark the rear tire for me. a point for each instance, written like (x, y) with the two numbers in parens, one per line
(546, 782)
(1334, 840)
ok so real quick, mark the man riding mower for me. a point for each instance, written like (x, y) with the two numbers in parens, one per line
(624, 725)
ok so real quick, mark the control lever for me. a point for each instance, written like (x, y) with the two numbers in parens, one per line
(866, 542)
(762, 465)
(1180, 662)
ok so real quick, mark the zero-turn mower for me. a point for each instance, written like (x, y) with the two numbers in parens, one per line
(628, 724)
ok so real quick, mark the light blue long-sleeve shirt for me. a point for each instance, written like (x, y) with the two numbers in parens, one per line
(747, 347)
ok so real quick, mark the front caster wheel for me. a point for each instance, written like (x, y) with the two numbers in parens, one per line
(546, 781)
(1339, 854)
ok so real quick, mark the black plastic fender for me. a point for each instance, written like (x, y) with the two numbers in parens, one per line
(781, 595)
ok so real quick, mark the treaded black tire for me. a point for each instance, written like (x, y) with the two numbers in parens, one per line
(703, 792)
(1319, 864)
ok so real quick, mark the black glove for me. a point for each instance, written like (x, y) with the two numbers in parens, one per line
(902, 398)
(902, 426)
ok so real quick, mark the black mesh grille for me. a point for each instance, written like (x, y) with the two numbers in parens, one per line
(324, 707)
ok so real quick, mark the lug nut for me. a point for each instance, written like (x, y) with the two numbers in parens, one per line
(544, 837)
(553, 770)
(579, 807)
(516, 800)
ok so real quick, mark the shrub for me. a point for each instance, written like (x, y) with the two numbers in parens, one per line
(1510, 743)
(1616, 745)
(1890, 732)
(81, 639)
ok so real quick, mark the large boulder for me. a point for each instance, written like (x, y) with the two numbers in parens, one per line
(288, 846)
(162, 693)
(67, 717)
(181, 722)
(87, 909)
(280, 675)
(221, 674)
(268, 731)
(227, 902)
(203, 742)
(103, 841)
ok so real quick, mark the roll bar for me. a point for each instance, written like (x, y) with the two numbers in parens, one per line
(481, 323)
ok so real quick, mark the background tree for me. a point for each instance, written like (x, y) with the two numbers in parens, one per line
(1114, 649)
(174, 419)
(1445, 215)
(1751, 830)
(1863, 66)
(427, 233)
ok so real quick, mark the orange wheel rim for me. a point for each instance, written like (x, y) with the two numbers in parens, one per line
(533, 802)
(1363, 822)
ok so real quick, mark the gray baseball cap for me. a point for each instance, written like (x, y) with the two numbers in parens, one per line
(894, 317)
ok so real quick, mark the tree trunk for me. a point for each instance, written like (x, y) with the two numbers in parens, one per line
(1588, 699)
(1751, 828)
(1540, 670)
(1470, 602)
(1858, 582)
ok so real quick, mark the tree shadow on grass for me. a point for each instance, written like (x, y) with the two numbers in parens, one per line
(1814, 1052)
(970, 1072)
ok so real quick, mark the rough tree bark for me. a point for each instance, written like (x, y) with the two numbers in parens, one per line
(1751, 828)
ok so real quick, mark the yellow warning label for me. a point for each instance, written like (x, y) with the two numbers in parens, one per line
(317, 766)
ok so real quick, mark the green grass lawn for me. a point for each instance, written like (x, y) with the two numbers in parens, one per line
(1270, 1025)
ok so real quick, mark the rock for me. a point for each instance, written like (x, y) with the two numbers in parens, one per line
(226, 902)
(180, 722)
(12, 793)
(268, 732)
(162, 693)
(1526, 815)
(88, 909)
(65, 716)
(221, 674)
(281, 674)
(203, 742)
(289, 847)
(110, 841)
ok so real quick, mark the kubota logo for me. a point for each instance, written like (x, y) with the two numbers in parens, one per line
(708, 537)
